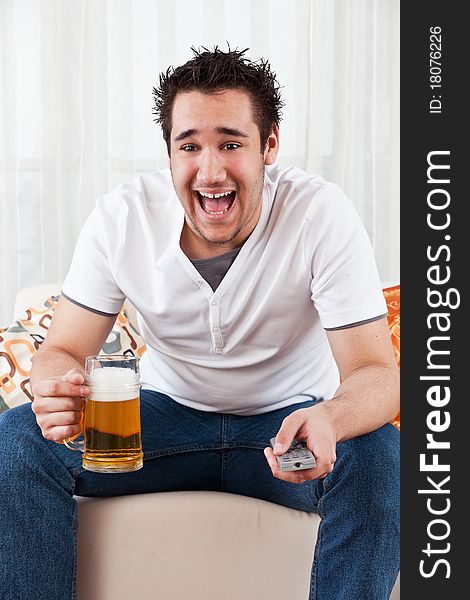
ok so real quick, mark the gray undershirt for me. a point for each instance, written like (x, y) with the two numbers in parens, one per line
(214, 269)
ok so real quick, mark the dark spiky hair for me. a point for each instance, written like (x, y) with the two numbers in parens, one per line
(210, 71)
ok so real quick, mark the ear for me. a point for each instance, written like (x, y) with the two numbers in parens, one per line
(272, 146)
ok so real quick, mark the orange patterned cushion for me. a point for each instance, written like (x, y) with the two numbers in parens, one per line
(21, 340)
(392, 297)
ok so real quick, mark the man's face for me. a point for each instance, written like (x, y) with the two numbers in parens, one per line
(217, 169)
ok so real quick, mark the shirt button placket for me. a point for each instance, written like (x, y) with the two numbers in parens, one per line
(216, 332)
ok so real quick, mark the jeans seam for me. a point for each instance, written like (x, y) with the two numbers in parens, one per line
(180, 450)
(248, 445)
(313, 574)
(193, 448)
(223, 452)
(75, 551)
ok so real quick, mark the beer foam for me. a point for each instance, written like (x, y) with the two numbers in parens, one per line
(113, 384)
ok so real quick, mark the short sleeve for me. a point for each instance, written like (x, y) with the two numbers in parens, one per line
(345, 284)
(91, 279)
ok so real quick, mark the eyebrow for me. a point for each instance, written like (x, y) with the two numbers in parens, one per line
(224, 130)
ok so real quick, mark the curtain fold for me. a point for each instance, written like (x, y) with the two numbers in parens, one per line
(76, 117)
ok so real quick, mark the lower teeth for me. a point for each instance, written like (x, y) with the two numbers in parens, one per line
(220, 212)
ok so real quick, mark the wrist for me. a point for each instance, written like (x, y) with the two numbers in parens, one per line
(327, 415)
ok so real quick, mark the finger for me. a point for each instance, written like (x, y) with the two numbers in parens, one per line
(57, 387)
(324, 468)
(59, 433)
(50, 424)
(325, 454)
(75, 376)
(287, 432)
(47, 405)
(272, 462)
(69, 417)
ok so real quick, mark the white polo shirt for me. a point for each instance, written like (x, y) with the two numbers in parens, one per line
(258, 342)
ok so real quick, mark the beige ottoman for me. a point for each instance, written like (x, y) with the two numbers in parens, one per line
(194, 546)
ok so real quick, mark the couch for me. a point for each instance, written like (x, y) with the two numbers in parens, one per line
(194, 545)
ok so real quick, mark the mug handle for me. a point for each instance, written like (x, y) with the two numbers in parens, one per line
(72, 443)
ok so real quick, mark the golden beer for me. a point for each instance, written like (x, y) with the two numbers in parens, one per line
(112, 435)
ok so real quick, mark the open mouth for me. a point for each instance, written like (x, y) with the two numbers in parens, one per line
(216, 204)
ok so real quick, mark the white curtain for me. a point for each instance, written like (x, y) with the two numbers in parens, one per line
(76, 80)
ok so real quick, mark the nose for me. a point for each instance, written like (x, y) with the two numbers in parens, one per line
(211, 168)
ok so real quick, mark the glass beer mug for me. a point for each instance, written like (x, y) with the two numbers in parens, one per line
(112, 441)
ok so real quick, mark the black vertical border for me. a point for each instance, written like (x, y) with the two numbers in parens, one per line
(423, 132)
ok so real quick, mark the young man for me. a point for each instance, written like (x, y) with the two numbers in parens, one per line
(259, 300)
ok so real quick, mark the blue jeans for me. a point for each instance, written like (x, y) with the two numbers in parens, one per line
(357, 551)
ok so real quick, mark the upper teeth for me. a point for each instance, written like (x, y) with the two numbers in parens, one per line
(206, 195)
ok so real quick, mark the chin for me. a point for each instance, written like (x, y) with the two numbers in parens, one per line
(219, 239)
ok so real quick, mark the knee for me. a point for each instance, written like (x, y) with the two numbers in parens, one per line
(16, 421)
(378, 453)
(27, 459)
(372, 463)
(17, 427)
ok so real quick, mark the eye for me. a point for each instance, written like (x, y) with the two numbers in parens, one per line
(189, 148)
(231, 146)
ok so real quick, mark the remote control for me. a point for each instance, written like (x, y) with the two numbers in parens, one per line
(297, 458)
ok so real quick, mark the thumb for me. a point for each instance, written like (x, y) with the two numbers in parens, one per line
(287, 432)
(75, 376)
